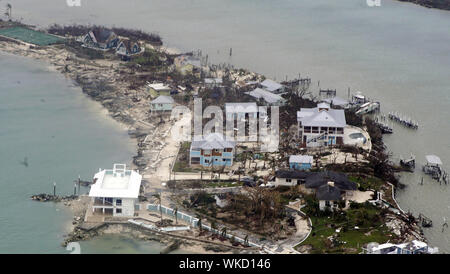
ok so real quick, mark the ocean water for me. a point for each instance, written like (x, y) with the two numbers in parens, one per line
(398, 53)
(63, 134)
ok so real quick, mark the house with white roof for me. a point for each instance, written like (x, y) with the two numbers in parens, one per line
(211, 150)
(413, 247)
(272, 86)
(161, 104)
(300, 162)
(115, 191)
(157, 89)
(321, 126)
(269, 97)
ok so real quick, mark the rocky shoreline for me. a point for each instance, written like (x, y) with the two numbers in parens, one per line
(107, 82)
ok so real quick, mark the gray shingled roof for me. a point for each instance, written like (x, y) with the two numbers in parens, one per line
(162, 99)
(212, 141)
(271, 85)
(318, 179)
(328, 193)
(269, 97)
(292, 174)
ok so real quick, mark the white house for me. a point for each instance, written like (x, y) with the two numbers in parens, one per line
(321, 126)
(328, 196)
(414, 247)
(272, 86)
(269, 97)
(115, 191)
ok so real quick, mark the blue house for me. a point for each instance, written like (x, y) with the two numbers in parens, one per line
(161, 104)
(300, 162)
(211, 151)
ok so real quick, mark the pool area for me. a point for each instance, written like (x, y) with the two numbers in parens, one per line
(357, 136)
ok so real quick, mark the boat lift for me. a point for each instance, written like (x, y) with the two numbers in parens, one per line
(408, 163)
(433, 167)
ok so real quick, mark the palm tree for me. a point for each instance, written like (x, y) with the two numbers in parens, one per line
(158, 197)
(176, 215)
(8, 11)
(199, 223)
(224, 232)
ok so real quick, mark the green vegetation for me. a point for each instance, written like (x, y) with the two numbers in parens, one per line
(31, 36)
(150, 59)
(359, 225)
(366, 183)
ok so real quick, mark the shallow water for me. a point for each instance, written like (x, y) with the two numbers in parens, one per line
(63, 134)
(398, 53)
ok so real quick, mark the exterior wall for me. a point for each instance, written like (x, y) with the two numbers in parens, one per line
(161, 107)
(127, 206)
(292, 182)
(300, 166)
(224, 159)
(330, 139)
(323, 206)
(155, 93)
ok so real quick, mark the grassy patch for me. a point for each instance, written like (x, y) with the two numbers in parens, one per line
(366, 183)
(359, 225)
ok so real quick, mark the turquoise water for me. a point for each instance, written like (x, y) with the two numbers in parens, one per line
(63, 134)
(398, 53)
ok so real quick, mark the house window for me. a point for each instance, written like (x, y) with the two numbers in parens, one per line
(119, 202)
(195, 160)
(315, 129)
(118, 210)
(288, 180)
(307, 129)
(327, 203)
(228, 150)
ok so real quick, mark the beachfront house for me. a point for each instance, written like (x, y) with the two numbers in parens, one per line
(300, 162)
(100, 39)
(266, 96)
(115, 191)
(321, 126)
(272, 86)
(162, 104)
(127, 48)
(211, 151)
(157, 89)
(329, 196)
(330, 188)
(413, 247)
(188, 64)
